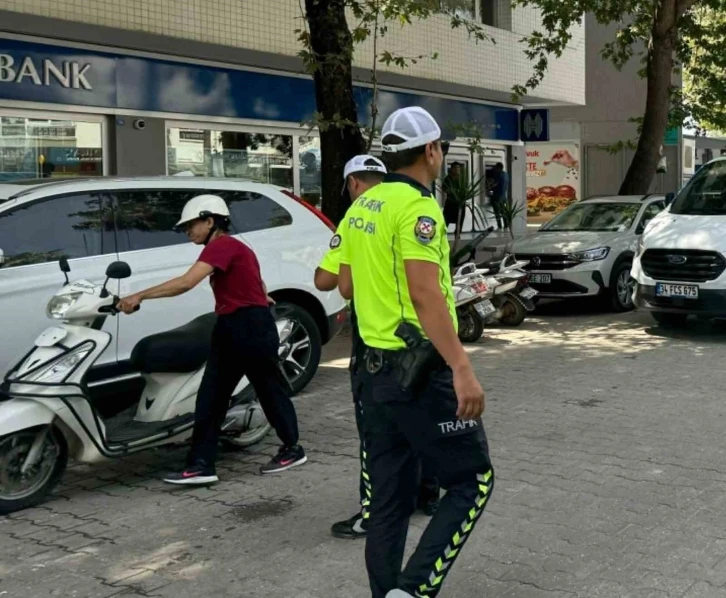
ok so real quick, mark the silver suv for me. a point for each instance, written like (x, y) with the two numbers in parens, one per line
(587, 250)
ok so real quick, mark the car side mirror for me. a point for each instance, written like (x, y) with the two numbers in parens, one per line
(118, 270)
(669, 198)
(641, 228)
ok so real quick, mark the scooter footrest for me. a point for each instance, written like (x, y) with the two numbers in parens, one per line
(135, 430)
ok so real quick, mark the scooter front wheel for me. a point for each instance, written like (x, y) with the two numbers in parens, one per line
(32, 462)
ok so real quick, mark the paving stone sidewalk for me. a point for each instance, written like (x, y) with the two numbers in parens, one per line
(608, 440)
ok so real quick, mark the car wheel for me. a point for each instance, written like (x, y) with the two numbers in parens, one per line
(669, 320)
(300, 344)
(621, 288)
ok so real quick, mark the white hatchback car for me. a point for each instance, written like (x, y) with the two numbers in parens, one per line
(587, 250)
(93, 222)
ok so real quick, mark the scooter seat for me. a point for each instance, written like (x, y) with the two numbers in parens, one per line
(493, 266)
(180, 350)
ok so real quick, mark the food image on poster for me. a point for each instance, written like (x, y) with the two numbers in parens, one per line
(553, 179)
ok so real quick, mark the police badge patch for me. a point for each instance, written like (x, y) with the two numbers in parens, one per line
(335, 242)
(425, 229)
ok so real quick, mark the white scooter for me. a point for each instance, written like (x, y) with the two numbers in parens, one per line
(47, 411)
(472, 292)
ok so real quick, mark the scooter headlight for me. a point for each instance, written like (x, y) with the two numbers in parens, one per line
(57, 371)
(59, 305)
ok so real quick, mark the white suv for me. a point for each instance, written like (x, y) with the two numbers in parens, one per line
(680, 267)
(587, 250)
(93, 222)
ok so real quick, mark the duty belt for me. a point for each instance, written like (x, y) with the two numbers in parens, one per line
(375, 359)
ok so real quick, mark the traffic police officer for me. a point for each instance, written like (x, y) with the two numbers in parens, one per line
(360, 174)
(395, 264)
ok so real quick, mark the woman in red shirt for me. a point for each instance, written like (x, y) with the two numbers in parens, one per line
(245, 341)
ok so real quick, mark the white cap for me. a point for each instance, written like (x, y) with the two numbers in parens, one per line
(363, 163)
(414, 125)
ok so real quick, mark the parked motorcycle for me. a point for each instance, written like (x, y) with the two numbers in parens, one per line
(512, 295)
(48, 415)
(473, 307)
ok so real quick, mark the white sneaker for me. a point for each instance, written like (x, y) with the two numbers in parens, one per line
(398, 594)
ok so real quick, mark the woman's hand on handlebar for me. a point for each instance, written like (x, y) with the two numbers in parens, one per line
(129, 304)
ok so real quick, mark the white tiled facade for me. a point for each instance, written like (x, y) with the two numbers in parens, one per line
(269, 25)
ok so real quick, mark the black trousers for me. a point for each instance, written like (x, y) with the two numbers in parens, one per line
(243, 343)
(399, 425)
(497, 205)
(428, 485)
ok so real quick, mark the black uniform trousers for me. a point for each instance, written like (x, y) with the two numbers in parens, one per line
(428, 485)
(244, 342)
(398, 425)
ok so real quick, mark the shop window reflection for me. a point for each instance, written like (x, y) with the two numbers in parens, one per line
(33, 148)
(309, 165)
(257, 157)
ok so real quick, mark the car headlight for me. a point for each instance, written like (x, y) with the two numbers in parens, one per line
(60, 369)
(59, 305)
(591, 255)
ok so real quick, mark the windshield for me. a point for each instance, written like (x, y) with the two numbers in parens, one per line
(587, 216)
(705, 194)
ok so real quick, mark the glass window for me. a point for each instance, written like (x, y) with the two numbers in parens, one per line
(253, 211)
(466, 9)
(593, 216)
(71, 226)
(309, 166)
(705, 193)
(145, 219)
(33, 148)
(253, 156)
(651, 212)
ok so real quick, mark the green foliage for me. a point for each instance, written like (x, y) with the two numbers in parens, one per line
(509, 212)
(697, 26)
(461, 191)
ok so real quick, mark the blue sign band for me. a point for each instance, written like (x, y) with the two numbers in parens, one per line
(52, 74)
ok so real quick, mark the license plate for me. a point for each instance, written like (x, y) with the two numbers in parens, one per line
(527, 293)
(685, 291)
(540, 278)
(485, 308)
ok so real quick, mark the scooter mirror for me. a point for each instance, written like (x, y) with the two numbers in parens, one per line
(64, 265)
(2, 258)
(118, 270)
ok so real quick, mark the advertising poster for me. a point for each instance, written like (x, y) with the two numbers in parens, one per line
(553, 179)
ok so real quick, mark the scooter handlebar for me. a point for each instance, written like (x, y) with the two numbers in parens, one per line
(113, 309)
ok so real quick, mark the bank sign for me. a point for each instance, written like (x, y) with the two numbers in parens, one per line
(76, 77)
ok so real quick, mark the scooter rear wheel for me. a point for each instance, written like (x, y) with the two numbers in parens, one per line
(21, 490)
(513, 311)
(471, 326)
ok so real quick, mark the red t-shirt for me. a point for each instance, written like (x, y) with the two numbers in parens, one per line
(236, 281)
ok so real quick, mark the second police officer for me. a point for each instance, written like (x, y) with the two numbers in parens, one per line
(361, 173)
(422, 396)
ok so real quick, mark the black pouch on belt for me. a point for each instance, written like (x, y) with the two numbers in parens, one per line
(413, 364)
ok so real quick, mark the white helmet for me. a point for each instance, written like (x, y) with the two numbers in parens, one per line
(203, 206)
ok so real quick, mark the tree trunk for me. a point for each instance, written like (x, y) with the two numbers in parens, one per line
(655, 121)
(340, 138)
